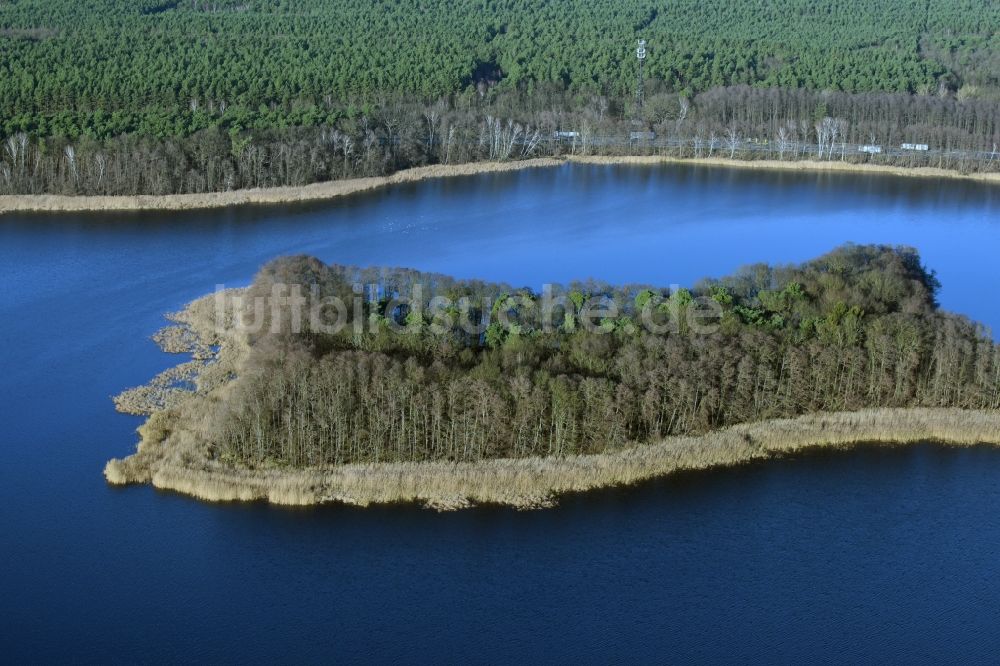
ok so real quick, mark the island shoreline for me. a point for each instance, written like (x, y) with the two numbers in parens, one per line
(527, 483)
(171, 457)
(329, 190)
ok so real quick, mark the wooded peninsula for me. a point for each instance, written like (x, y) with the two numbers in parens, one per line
(334, 383)
(166, 97)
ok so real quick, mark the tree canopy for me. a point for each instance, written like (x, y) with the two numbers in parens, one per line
(856, 328)
(168, 68)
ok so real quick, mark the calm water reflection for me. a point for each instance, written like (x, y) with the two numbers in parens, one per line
(880, 553)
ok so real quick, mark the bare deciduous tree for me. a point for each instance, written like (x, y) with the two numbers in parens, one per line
(732, 140)
(782, 142)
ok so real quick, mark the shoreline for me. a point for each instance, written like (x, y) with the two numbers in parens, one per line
(327, 190)
(813, 166)
(529, 483)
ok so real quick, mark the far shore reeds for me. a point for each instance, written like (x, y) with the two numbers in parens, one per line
(338, 188)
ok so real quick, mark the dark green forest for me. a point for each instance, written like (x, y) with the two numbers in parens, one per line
(566, 372)
(166, 96)
(170, 68)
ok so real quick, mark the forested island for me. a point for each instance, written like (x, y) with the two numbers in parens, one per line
(164, 97)
(334, 383)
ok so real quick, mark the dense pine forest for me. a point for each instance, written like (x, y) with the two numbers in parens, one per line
(585, 368)
(167, 96)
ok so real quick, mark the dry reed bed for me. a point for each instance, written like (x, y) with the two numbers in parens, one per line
(174, 464)
(268, 195)
(215, 348)
(790, 165)
(338, 188)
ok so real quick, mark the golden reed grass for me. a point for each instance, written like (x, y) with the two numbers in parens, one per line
(266, 195)
(337, 188)
(171, 461)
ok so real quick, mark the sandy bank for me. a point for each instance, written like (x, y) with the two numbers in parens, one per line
(339, 188)
(535, 482)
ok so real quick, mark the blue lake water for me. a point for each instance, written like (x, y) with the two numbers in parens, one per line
(876, 554)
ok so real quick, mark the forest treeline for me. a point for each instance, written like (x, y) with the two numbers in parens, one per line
(170, 96)
(856, 328)
(169, 67)
(738, 122)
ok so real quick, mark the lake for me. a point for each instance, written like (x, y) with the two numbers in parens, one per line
(881, 553)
